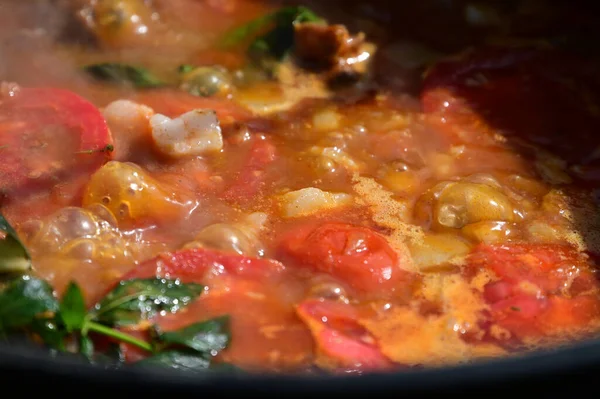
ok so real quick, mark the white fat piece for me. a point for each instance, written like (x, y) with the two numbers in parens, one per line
(191, 134)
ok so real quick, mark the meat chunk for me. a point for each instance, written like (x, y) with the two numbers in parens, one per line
(331, 48)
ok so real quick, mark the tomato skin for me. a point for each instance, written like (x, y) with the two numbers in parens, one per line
(356, 255)
(338, 336)
(79, 129)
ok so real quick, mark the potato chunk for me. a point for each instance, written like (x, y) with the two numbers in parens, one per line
(310, 200)
(437, 249)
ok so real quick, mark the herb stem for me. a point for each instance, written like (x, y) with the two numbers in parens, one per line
(121, 336)
(106, 148)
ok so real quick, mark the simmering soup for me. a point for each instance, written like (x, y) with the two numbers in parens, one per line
(342, 186)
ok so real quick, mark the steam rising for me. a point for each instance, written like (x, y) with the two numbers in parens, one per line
(33, 35)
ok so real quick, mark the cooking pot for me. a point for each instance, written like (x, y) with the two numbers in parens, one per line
(561, 371)
(555, 373)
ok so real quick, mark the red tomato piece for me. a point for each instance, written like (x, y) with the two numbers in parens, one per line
(497, 291)
(545, 310)
(527, 93)
(251, 177)
(546, 266)
(192, 264)
(521, 305)
(356, 255)
(571, 312)
(353, 353)
(519, 316)
(336, 315)
(339, 336)
(48, 135)
(526, 316)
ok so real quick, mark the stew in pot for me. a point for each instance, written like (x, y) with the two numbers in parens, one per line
(285, 187)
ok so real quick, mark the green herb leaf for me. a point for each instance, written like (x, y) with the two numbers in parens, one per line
(116, 334)
(141, 299)
(86, 347)
(210, 336)
(248, 30)
(23, 299)
(14, 257)
(280, 40)
(179, 360)
(185, 68)
(123, 74)
(279, 36)
(72, 308)
(107, 149)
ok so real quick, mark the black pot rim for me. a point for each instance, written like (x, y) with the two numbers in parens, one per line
(576, 359)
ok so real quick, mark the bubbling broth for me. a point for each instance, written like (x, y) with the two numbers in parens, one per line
(290, 187)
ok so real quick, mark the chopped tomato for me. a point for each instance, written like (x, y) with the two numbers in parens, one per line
(192, 265)
(497, 291)
(251, 177)
(339, 337)
(356, 255)
(542, 289)
(522, 305)
(49, 135)
(548, 267)
(526, 316)
(529, 93)
(571, 312)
